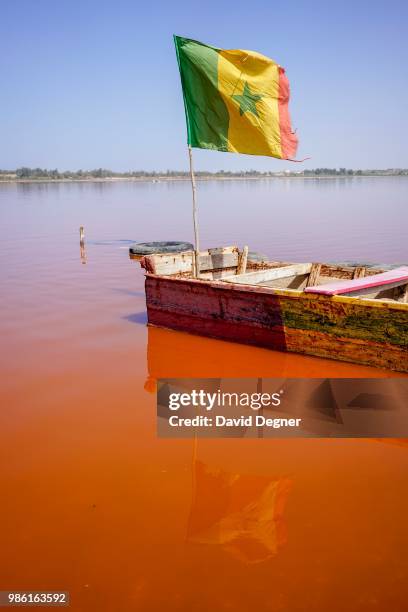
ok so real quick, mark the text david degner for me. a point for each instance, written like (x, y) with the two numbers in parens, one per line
(209, 401)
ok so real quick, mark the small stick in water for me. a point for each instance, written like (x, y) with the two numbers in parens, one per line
(82, 244)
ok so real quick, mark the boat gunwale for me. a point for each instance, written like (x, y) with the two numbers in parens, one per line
(287, 293)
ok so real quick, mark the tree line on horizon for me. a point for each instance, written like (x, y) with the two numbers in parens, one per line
(102, 173)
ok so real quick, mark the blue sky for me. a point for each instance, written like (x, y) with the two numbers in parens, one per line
(91, 83)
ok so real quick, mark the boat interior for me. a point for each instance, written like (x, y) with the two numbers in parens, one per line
(235, 266)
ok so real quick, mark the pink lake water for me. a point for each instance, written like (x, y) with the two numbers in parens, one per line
(92, 502)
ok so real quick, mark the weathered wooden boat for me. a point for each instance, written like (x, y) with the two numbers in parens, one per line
(347, 313)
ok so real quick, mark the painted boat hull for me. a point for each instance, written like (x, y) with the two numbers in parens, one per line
(363, 331)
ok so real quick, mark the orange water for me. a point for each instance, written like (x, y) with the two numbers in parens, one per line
(93, 503)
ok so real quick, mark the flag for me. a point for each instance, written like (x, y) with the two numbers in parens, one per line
(235, 100)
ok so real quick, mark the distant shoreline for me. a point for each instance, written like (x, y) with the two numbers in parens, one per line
(165, 179)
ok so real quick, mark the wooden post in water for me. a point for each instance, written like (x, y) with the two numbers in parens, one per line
(82, 244)
(196, 267)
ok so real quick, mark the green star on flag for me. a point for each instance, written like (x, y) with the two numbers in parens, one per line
(247, 101)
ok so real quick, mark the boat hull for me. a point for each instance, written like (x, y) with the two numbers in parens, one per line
(350, 329)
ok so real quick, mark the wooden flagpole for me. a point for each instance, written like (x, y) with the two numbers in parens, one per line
(195, 218)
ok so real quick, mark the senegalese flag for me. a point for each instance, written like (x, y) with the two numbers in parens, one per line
(235, 100)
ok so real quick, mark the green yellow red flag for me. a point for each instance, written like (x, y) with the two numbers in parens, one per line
(235, 100)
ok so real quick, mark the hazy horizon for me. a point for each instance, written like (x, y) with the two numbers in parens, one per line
(292, 169)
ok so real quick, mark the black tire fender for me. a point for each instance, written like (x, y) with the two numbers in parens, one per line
(150, 248)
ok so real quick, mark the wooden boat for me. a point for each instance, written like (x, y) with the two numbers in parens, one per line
(339, 312)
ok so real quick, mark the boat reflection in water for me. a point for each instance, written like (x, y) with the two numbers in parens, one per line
(172, 354)
(330, 406)
(256, 500)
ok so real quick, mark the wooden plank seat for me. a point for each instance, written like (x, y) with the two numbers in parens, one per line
(269, 275)
(360, 286)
